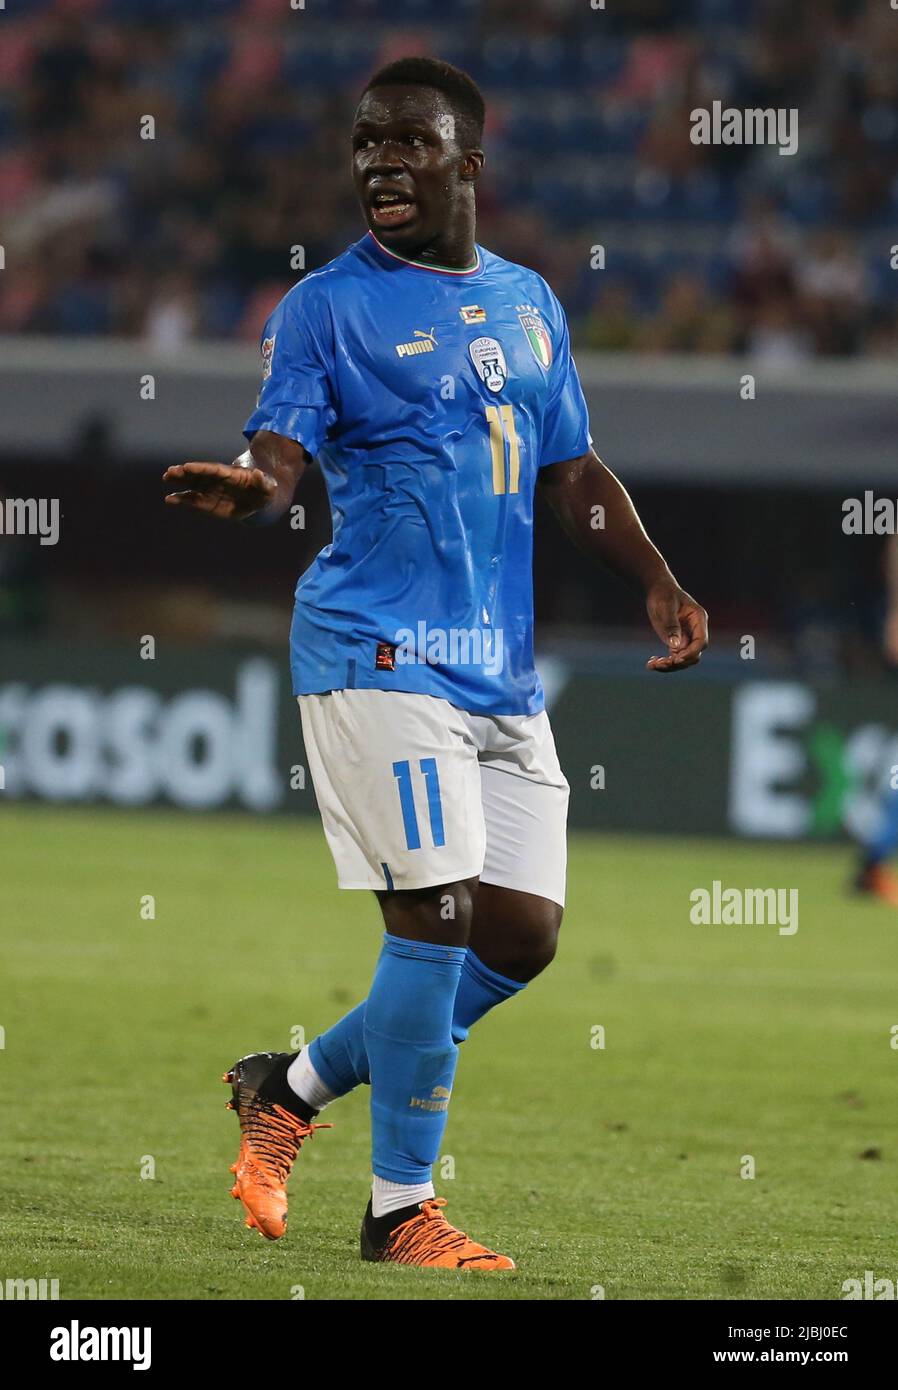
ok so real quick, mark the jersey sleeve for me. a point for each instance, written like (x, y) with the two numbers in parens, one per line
(296, 399)
(565, 433)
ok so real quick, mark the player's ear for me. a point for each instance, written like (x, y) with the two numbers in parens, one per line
(472, 163)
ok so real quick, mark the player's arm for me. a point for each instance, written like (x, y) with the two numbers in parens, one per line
(595, 510)
(259, 484)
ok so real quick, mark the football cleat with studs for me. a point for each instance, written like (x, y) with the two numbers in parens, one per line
(428, 1239)
(270, 1140)
(879, 882)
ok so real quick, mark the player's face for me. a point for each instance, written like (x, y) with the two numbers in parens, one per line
(409, 171)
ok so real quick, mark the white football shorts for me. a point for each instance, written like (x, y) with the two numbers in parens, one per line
(414, 792)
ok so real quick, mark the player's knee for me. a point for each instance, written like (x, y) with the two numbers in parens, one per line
(531, 946)
(441, 914)
(539, 942)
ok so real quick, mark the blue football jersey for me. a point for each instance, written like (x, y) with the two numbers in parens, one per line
(431, 398)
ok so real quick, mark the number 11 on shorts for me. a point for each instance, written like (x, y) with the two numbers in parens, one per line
(402, 771)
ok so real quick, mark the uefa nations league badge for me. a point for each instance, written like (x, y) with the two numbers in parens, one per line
(489, 363)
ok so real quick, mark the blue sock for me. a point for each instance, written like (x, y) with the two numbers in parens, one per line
(885, 841)
(339, 1055)
(479, 990)
(408, 1038)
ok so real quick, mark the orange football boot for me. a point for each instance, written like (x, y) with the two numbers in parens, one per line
(428, 1239)
(270, 1139)
(880, 882)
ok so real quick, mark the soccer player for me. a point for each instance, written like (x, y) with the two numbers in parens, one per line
(873, 875)
(433, 381)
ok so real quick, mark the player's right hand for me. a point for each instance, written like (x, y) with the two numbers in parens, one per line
(224, 490)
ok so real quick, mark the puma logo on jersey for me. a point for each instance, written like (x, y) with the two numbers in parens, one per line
(426, 343)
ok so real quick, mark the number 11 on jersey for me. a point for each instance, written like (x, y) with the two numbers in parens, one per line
(502, 427)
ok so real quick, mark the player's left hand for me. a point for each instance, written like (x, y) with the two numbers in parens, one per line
(680, 622)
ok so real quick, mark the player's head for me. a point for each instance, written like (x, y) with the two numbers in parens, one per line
(416, 140)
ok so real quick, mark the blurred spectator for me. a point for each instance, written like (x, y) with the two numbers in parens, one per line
(172, 316)
(776, 337)
(193, 232)
(612, 324)
(689, 320)
(834, 282)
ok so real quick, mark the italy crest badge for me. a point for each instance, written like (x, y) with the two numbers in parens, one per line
(537, 335)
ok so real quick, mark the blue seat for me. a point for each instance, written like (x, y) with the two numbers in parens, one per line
(599, 60)
(808, 198)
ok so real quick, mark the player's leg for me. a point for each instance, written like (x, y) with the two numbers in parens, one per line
(517, 916)
(408, 1042)
(517, 911)
(518, 905)
(513, 937)
(873, 875)
(520, 901)
(412, 1059)
(431, 811)
(398, 786)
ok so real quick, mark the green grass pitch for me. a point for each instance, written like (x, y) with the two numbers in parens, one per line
(616, 1167)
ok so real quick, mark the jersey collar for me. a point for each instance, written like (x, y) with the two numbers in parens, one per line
(421, 265)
